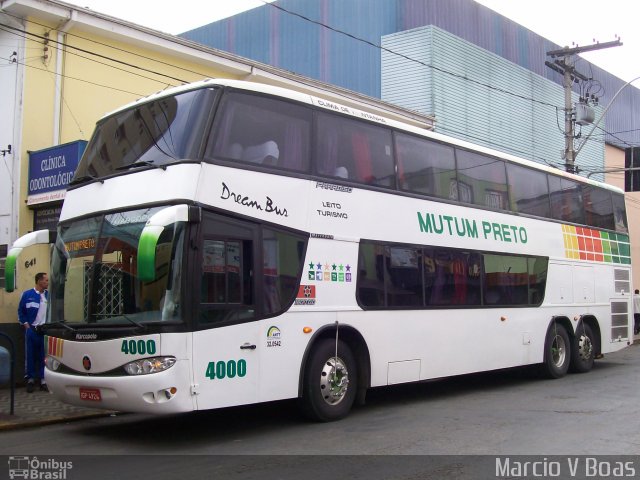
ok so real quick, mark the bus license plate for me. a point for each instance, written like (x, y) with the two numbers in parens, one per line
(91, 394)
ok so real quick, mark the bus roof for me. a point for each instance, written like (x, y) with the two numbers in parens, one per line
(367, 113)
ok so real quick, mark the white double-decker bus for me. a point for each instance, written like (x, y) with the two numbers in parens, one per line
(226, 243)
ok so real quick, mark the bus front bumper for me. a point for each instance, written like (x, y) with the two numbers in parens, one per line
(162, 392)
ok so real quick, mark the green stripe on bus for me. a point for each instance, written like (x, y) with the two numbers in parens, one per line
(147, 253)
(10, 269)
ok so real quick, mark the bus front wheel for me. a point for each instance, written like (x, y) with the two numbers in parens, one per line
(583, 351)
(557, 352)
(330, 381)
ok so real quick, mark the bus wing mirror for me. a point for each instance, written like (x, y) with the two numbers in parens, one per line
(33, 238)
(152, 231)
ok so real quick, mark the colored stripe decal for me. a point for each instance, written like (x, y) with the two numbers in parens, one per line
(54, 346)
(581, 243)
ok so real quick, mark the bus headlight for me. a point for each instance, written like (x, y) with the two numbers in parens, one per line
(145, 366)
(51, 363)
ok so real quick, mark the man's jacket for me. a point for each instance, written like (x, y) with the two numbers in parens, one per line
(29, 306)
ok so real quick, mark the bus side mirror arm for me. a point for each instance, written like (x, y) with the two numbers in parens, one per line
(38, 237)
(152, 231)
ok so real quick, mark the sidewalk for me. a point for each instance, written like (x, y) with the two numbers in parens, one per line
(39, 408)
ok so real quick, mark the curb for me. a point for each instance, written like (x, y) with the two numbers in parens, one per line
(17, 424)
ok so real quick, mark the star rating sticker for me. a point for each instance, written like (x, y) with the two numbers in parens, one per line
(341, 267)
(318, 266)
(311, 265)
(326, 266)
(348, 267)
(334, 266)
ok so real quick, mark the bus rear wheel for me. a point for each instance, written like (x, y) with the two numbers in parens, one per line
(330, 381)
(557, 352)
(583, 350)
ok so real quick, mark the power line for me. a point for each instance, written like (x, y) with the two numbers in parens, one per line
(618, 132)
(78, 79)
(68, 107)
(505, 148)
(123, 50)
(388, 50)
(59, 49)
(99, 55)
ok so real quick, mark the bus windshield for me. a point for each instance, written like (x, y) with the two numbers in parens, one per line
(157, 133)
(94, 272)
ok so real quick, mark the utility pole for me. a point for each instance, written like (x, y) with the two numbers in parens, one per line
(563, 64)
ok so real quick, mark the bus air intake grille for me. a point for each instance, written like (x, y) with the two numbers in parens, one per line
(622, 280)
(619, 321)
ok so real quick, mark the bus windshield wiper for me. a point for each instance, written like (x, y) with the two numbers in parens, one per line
(47, 326)
(137, 324)
(144, 163)
(84, 178)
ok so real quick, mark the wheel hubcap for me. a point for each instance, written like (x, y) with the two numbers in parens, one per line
(334, 381)
(585, 348)
(558, 351)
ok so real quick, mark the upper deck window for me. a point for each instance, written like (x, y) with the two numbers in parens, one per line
(566, 199)
(354, 150)
(262, 131)
(425, 167)
(485, 177)
(598, 207)
(528, 190)
(162, 131)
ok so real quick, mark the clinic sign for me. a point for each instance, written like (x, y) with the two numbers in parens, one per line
(51, 170)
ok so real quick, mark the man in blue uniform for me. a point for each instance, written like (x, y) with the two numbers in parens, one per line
(32, 311)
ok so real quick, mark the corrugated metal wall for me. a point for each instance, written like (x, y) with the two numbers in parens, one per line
(505, 117)
(275, 37)
(271, 36)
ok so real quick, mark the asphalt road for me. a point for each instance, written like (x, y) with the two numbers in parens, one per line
(503, 413)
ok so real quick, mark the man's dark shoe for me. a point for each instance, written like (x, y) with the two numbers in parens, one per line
(30, 386)
(43, 387)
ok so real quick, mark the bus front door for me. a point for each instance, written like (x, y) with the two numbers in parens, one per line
(225, 366)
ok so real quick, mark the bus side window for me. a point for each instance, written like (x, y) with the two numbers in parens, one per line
(486, 178)
(371, 288)
(255, 130)
(348, 148)
(537, 279)
(566, 199)
(598, 207)
(226, 294)
(619, 213)
(528, 190)
(506, 280)
(425, 166)
(282, 254)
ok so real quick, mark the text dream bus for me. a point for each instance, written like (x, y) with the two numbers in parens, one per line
(226, 243)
